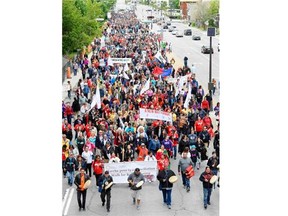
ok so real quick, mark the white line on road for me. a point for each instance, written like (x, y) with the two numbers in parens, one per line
(65, 198)
(69, 201)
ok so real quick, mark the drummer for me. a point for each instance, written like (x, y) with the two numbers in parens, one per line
(165, 185)
(80, 181)
(106, 182)
(207, 186)
(133, 179)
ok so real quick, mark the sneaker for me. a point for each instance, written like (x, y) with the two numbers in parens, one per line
(138, 207)
(108, 210)
(184, 186)
(169, 206)
(79, 208)
(103, 203)
(134, 201)
(188, 189)
(84, 209)
(174, 158)
(218, 185)
(208, 203)
(205, 206)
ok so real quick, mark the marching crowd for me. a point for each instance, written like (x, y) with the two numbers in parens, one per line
(112, 131)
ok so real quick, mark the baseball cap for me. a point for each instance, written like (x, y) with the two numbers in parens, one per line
(137, 169)
(106, 172)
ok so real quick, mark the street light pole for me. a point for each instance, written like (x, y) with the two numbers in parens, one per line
(210, 33)
(210, 66)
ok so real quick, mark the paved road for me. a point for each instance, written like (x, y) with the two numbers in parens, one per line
(185, 46)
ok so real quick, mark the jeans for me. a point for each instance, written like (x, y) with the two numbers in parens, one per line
(185, 180)
(167, 196)
(174, 151)
(69, 94)
(75, 72)
(207, 193)
(70, 176)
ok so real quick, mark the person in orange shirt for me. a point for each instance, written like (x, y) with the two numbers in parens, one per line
(143, 152)
(79, 181)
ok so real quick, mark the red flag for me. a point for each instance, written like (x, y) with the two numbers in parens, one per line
(157, 71)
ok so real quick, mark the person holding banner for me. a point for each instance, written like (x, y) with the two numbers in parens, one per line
(105, 184)
(136, 180)
(80, 180)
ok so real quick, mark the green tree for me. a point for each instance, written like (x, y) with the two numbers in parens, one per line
(79, 25)
(175, 4)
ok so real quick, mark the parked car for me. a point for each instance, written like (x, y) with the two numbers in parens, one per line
(165, 27)
(218, 47)
(174, 32)
(187, 32)
(170, 29)
(168, 23)
(206, 49)
(179, 34)
(196, 37)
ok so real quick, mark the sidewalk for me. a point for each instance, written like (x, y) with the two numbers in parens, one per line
(73, 80)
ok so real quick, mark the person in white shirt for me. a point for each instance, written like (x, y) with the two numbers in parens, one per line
(114, 158)
(150, 157)
(88, 156)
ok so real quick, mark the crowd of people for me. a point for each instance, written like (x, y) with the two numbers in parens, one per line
(114, 132)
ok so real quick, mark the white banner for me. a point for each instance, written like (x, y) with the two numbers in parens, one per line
(121, 171)
(121, 60)
(155, 114)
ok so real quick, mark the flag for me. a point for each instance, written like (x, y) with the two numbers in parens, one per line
(167, 72)
(126, 68)
(95, 100)
(97, 97)
(160, 57)
(125, 75)
(157, 71)
(188, 97)
(145, 87)
(121, 123)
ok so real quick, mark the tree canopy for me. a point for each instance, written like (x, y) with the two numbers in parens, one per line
(79, 25)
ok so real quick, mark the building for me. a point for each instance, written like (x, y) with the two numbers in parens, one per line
(187, 6)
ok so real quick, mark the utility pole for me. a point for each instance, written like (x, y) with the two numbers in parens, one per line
(210, 33)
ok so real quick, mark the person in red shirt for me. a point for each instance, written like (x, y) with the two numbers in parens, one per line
(198, 126)
(65, 125)
(174, 139)
(163, 162)
(205, 105)
(97, 166)
(169, 128)
(68, 112)
(207, 121)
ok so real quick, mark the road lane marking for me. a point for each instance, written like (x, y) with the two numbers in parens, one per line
(69, 201)
(65, 198)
